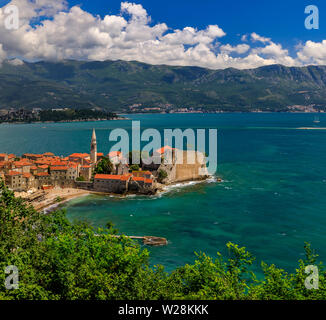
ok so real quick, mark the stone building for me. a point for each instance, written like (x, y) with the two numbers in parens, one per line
(81, 158)
(3, 157)
(73, 171)
(86, 172)
(58, 173)
(111, 183)
(187, 165)
(43, 178)
(15, 181)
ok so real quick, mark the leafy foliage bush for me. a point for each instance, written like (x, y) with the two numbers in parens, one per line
(105, 166)
(162, 175)
(60, 260)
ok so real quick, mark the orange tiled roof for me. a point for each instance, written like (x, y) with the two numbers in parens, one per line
(22, 163)
(73, 165)
(79, 155)
(149, 181)
(48, 154)
(57, 163)
(27, 175)
(3, 154)
(14, 173)
(32, 155)
(41, 174)
(138, 178)
(61, 168)
(34, 168)
(100, 154)
(112, 177)
(107, 176)
(43, 166)
(125, 177)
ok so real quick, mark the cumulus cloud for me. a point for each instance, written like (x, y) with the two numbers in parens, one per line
(257, 38)
(313, 53)
(240, 48)
(50, 30)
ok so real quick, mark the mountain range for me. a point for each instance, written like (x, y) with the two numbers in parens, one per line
(117, 85)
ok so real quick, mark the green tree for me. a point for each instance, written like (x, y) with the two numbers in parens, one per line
(58, 259)
(105, 166)
(162, 174)
(134, 167)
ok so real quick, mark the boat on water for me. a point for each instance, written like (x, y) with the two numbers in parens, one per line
(316, 120)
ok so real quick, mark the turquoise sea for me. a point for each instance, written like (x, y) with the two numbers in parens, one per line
(272, 200)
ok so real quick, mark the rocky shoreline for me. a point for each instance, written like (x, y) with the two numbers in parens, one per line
(51, 198)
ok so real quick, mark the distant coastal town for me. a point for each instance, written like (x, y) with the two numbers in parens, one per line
(22, 115)
(46, 179)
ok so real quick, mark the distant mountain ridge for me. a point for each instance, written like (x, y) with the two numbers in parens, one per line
(115, 85)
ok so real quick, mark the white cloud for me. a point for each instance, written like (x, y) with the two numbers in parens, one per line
(240, 48)
(313, 53)
(49, 30)
(257, 38)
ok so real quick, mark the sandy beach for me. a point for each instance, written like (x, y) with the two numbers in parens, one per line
(52, 197)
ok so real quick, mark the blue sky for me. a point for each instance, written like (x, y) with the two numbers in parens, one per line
(282, 20)
(214, 34)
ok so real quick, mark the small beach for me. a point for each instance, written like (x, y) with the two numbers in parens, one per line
(55, 197)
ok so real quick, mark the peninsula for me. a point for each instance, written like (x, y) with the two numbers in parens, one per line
(46, 179)
(23, 115)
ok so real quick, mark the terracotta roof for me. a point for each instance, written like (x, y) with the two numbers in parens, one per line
(32, 155)
(41, 174)
(125, 177)
(3, 155)
(48, 154)
(86, 167)
(112, 177)
(73, 165)
(138, 178)
(41, 161)
(149, 181)
(14, 173)
(34, 168)
(44, 166)
(100, 154)
(58, 168)
(22, 163)
(57, 163)
(79, 155)
(27, 175)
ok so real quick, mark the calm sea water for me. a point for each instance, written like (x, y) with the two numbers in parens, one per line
(272, 199)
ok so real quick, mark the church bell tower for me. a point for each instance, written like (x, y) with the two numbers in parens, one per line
(93, 148)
